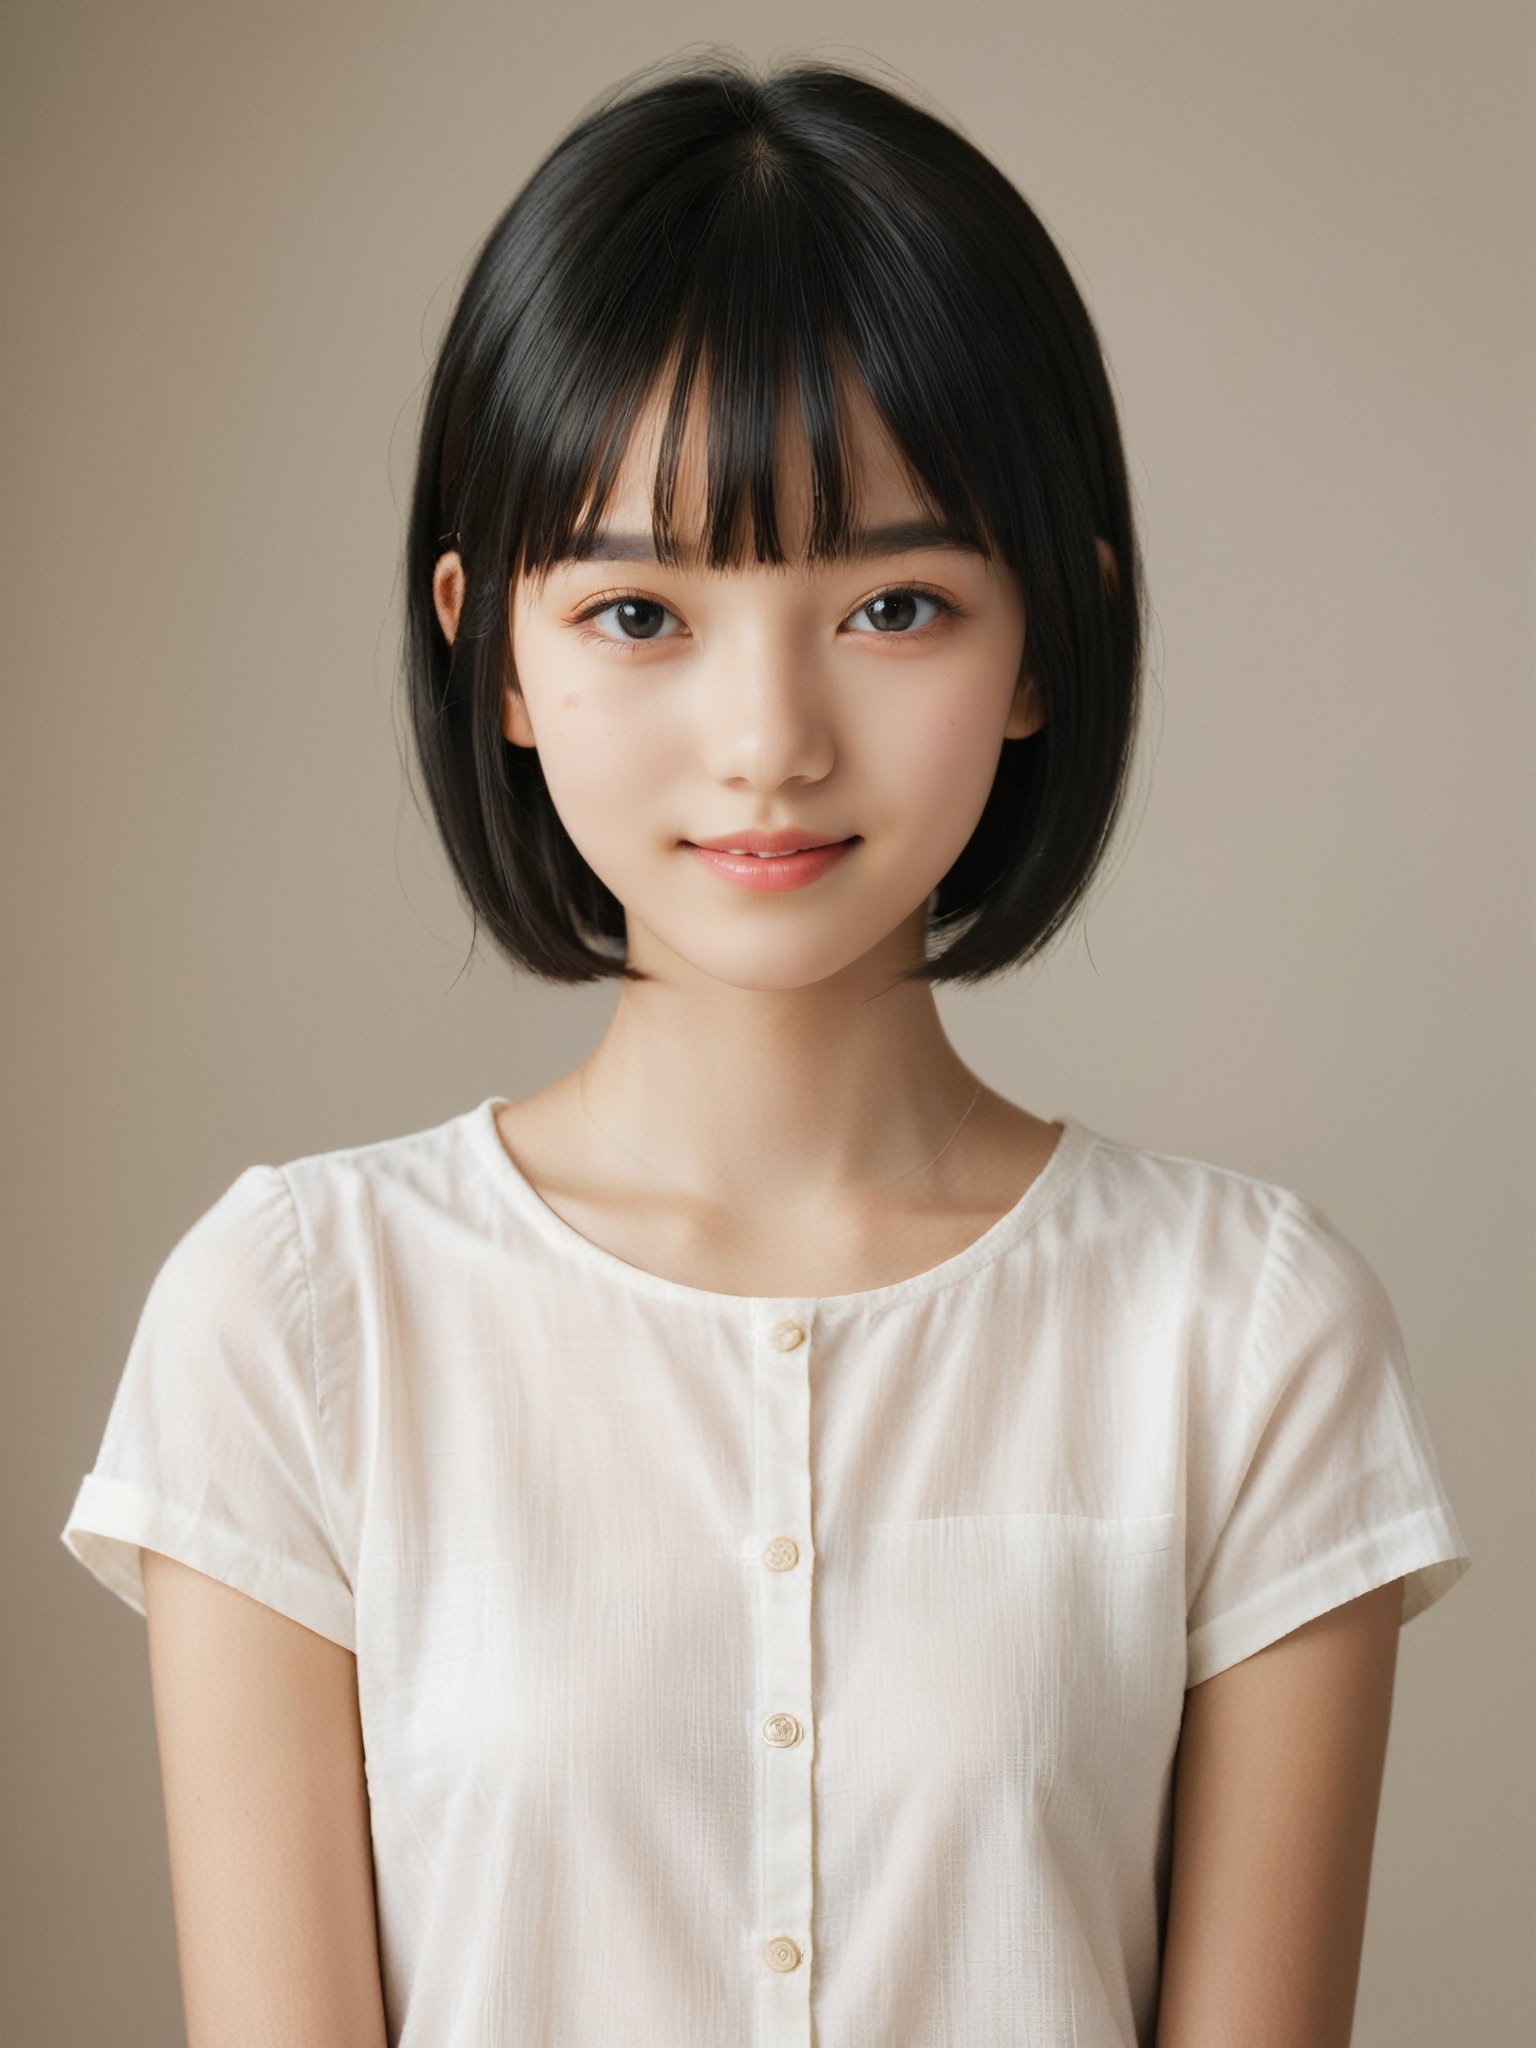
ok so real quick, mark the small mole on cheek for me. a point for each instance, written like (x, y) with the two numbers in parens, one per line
(572, 701)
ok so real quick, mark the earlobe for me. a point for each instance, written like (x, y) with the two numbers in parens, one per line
(1026, 714)
(515, 725)
(448, 593)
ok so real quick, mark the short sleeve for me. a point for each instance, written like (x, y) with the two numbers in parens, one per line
(214, 1447)
(1321, 1477)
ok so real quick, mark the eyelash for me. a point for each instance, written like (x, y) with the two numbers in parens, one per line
(946, 607)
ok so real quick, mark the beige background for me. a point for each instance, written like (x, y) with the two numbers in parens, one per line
(232, 235)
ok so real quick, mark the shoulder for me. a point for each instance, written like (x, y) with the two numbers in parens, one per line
(301, 1237)
(351, 1190)
(1231, 1244)
(420, 1156)
(1218, 1218)
(239, 1253)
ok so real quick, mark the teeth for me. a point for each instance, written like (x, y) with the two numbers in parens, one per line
(784, 855)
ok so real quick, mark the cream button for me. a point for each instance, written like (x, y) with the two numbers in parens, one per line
(782, 1730)
(782, 1554)
(781, 1954)
(785, 1336)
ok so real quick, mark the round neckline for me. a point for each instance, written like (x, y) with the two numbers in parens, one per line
(1049, 1184)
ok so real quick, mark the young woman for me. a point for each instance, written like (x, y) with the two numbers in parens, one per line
(765, 1540)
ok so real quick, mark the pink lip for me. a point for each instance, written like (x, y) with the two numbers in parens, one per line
(786, 871)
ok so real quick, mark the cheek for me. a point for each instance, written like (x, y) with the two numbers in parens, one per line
(608, 773)
(596, 765)
(592, 747)
(940, 758)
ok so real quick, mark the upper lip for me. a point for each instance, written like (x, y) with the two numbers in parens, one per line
(787, 839)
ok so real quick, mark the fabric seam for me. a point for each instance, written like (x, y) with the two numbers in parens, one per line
(322, 1412)
(1253, 1322)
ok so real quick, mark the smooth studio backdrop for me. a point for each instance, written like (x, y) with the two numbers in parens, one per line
(232, 234)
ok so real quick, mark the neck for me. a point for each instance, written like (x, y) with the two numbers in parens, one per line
(750, 1097)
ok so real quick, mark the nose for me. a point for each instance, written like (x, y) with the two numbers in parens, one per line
(766, 710)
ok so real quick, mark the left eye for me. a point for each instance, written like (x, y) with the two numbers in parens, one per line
(895, 611)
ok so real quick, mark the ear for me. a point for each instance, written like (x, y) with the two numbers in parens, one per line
(448, 602)
(448, 593)
(1026, 714)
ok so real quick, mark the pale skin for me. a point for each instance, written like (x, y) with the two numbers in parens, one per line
(751, 1122)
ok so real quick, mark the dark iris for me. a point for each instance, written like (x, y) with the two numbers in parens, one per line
(892, 612)
(641, 613)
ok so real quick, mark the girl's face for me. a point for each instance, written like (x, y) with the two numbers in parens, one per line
(864, 699)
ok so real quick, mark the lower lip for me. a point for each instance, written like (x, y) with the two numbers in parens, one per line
(787, 871)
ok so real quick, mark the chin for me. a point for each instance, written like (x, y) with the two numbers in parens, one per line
(776, 963)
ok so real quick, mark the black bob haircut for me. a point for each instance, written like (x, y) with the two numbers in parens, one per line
(782, 231)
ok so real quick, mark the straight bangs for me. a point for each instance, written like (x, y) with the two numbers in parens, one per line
(763, 248)
(769, 301)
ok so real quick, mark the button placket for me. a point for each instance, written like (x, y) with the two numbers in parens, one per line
(780, 1718)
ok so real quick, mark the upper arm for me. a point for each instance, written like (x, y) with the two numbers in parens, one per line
(1277, 1785)
(266, 1803)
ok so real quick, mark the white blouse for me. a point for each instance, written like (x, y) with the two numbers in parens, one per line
(740, 1672)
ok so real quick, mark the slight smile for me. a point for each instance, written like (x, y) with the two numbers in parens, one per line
(772, 872)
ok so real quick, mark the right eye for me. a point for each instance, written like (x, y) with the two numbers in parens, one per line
(638, 618)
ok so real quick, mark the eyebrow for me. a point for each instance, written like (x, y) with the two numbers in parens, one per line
(895, 538)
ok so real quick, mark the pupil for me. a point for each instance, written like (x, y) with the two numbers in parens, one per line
(641, 613)
(893, 611)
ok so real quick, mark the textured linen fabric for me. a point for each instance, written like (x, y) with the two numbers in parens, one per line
(739, 1672)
